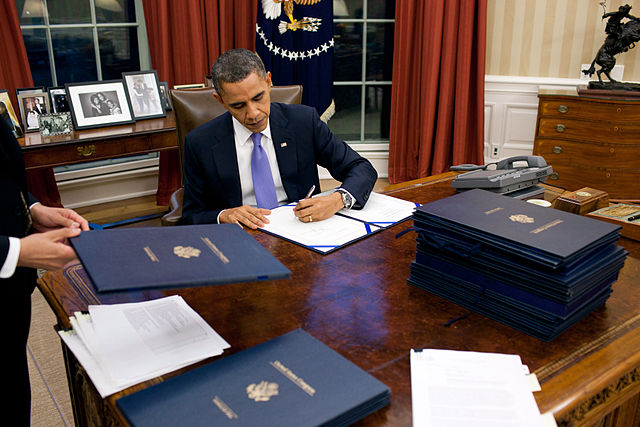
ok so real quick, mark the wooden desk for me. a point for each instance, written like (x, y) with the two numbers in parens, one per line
(144, 136)
(357, 301)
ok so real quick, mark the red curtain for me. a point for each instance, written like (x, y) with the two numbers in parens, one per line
(41, 182)
(437, 98)
(185, 38)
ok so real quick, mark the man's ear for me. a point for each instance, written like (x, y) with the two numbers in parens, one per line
(268, 79)
(219, 98)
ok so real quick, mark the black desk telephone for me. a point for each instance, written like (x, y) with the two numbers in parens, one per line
(505, 178)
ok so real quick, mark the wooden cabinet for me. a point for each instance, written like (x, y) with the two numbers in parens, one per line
(590, 142)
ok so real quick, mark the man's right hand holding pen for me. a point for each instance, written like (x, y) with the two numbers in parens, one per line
(318, 208)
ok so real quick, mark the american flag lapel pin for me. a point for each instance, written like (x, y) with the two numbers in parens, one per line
(283, 144)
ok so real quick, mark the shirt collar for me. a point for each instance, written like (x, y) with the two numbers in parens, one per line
(243, 134)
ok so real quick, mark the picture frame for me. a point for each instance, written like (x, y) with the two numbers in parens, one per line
(144, 93)
(55, 124)
(99, 104)
(59, 99)
(9, 114)
(36, 89)
(31, 106)
(189, 86)
(165, 95)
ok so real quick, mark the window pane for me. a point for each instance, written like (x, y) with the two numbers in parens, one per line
(379, 51)
(35, 42)
(347, 53)
(69, 12)
(377, 112)
(30, 12)
(345, 123)
(74, 55)
(113, 11)
(380, 9)
(118, 51)
(347, 8)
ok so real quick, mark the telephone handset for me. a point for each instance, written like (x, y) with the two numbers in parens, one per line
(505, 177)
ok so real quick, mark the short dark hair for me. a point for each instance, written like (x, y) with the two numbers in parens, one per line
(234, 66)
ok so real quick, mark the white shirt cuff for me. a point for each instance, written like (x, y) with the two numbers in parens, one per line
(11, 262)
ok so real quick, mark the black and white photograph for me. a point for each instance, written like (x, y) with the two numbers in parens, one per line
(55, 124)
(165, 96)
(144, 93)
(31, 106)
(59, 100)
(98, 104)
(8, 114)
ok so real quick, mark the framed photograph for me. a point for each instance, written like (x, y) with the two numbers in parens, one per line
(8, 114)
(59, 100)
(55, 124)
(97, 104)
(144, 93)
(190, 86)
(165, 96)
(31, 106)
(37, 89)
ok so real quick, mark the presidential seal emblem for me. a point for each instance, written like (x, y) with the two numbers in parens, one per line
(273, 9)
(186, 252)
(521, 218)
(263, 391)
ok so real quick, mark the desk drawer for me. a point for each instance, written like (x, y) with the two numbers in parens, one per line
(589, 109)
(595, 154)
(589, 130)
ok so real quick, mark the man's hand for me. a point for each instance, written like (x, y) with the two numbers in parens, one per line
(245, 215)
(318, 208)
(47, 219)
(48, 250)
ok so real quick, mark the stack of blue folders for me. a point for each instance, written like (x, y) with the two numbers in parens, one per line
(539, 270)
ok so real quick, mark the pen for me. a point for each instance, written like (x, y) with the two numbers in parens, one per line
(313, 187)
(633, 218)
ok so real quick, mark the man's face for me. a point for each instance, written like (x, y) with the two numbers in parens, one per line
(248, 101)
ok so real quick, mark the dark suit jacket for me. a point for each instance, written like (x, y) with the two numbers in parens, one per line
(301, 140)
(13, 221)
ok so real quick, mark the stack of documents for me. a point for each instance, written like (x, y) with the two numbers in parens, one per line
(291, 380)
(123, 344)
(537, 269)
(347, 226)
(465, 388)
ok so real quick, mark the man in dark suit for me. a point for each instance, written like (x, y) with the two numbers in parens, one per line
(21, 252)
(224, 180)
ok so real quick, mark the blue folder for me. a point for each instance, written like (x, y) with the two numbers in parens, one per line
(130, 259)
(291, 380)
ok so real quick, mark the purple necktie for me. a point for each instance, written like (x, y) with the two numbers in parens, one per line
(263, 185)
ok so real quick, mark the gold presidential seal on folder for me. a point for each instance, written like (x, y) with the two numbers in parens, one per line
(186, 251)
(263, 391)
(521, 218)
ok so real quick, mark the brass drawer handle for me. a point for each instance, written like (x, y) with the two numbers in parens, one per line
(557, 149)
(87, 150)
(560, 127)
(554, 176)
(563, 108)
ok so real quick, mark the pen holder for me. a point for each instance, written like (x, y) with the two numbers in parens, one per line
(582, 201)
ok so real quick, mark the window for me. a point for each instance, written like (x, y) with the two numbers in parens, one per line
(363, 59)
(82, 40)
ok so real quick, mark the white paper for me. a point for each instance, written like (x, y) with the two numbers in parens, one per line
(464, 389)
(123, 344)
(321, 235)
(382, 210)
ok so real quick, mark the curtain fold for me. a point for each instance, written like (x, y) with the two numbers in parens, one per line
(41, 182)
(437, 98)
(185, 38)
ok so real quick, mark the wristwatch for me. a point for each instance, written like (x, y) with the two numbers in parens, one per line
(347, 200)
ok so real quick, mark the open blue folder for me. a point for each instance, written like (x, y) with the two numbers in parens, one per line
(130, 259)
(291, 380)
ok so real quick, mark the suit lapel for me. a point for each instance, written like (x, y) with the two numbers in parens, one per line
(223, 153)
(286, 151)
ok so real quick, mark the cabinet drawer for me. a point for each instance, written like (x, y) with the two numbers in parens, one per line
(589, 109)
(619, 184)
(596, 154)
(588, 130)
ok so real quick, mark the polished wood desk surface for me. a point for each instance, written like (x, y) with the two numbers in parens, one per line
(357, 301)
(86, 145)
